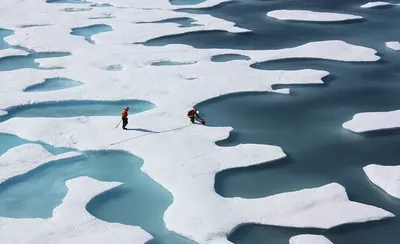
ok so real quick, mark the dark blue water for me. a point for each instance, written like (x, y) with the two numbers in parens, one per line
(307, 123)
(53, 84)
(268, 33)
(89, 31)
(77, 108)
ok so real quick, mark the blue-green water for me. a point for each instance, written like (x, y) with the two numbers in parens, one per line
(228, 57)
(89, 31)
(139, 201)
(23, 62)
(53, 84)
(3, 34)
(77, 108)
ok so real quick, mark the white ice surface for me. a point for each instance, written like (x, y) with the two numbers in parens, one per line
(305, 15)
(309, 239)
(377, 4)
(186, 162)
(386, 177)
(71, 223)
(21, 159)
(393, 45)
(370, 121)
(12, 52)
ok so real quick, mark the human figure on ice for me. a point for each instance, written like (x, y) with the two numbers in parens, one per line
(124, 117)
(192, 114)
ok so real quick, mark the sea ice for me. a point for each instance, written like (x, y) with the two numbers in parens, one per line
(370, 121)
(182, 158)
(305, 15)
(71, 223)
(21, 159)
(386, 177)
(393, 45)
(309, 239)
(190, 153)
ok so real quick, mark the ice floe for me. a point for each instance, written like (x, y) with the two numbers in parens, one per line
(71, 223)
(10, 52)
(370, 121)
(386, 177)
(190, 160)
(377, 4)
(305, 15)
(309, 239)
(393, 45)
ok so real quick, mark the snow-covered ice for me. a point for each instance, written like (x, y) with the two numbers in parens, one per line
(309, 239)
(377, 4)
(393, 45)
(386, 177)
(188, 169)
(186, 158)
(370, 121)
(71, 223)
(21, 159)
(305, 15)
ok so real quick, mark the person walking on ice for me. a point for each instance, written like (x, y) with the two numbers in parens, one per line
(124, 117)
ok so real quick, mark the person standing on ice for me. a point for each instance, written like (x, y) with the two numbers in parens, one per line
(124, 117)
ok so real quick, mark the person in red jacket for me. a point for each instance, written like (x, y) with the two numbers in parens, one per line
(192, 114)
(124, 117)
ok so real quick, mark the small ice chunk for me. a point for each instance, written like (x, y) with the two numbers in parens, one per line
(393, 45)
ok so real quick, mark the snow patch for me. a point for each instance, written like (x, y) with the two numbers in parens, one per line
(386, 177)
(370, 121)
(393, 45)
(309, 239)
(21, 159)
(71, 223)
(305, 15)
